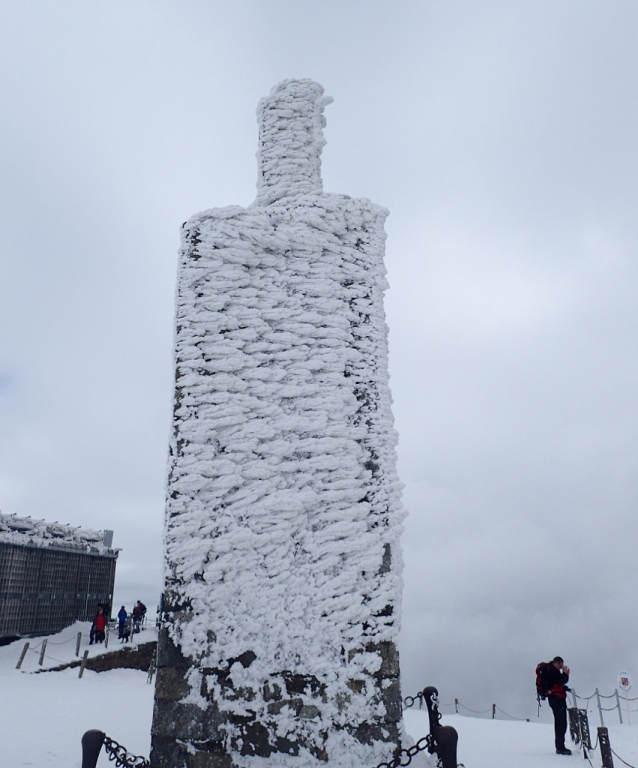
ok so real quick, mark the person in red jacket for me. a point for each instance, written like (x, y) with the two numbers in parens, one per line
(556, 678)
(98, 630)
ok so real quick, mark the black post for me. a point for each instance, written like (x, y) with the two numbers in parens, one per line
(584, 728)
(447, 739)
(605, 747)
(443, 738)
(574, 724)
(431, 696)
(91, 745)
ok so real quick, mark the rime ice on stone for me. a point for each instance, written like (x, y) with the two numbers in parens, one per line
(283, 519)
(290, 140)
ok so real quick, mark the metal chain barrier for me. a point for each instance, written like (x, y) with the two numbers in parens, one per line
(621, 760)
(116, 752)
(408, 754)
(441, 741)
(475, 711)
(520, 719)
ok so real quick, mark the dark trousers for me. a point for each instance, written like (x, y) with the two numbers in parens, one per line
(559, 708)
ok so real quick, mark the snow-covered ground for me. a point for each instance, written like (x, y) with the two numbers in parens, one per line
(43, 716)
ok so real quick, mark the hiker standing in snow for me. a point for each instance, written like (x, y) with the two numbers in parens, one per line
(557, 676)
(98, 629)
(139, 611)
(121, 621)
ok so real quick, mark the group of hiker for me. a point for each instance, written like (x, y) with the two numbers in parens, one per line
(128, 624)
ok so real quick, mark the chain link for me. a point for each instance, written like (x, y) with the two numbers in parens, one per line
(405, 756)
(620, 758)
(116, 752)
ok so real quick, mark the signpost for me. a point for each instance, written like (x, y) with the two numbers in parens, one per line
(624, 683)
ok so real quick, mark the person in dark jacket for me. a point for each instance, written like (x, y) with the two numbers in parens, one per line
(557, 677)
(121, 621)
(139, 611)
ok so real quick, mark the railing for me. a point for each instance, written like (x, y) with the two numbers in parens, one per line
(598, 696)
(92, 743)
(442, 741)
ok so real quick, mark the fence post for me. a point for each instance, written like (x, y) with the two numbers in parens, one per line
(83, 664)
(605, 748)
(574, 698)
(493, 711)
(151, 668)
(77, 644)
(44, 647)
(91, 745)
(618, 703)
(22, 655)
(106, 640)
(447, 740)
(600, 709)
(456, 706)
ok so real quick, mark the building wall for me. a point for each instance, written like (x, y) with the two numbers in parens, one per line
(43, 589)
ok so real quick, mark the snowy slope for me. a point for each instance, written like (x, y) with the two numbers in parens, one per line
(44, 717)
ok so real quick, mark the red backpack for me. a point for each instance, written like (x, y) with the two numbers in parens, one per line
(542, 686)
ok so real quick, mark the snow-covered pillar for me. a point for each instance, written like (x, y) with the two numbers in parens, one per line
(283, 567)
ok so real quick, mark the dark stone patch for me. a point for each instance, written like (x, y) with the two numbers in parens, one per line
(302, 684)
(128, 658)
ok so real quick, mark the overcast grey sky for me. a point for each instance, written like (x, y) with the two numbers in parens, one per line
(502, 137)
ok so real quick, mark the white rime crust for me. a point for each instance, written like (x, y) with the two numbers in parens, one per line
(284, 511)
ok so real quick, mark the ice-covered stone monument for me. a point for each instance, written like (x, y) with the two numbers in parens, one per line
(283, 567)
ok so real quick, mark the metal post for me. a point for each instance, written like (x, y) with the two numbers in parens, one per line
(447, 739)
(44, 647)
(83, 664)
(91, 745)
(600, 709)
(493, 711)
(574, 699)
(618, 704)
(77, 644)
(106, 640)
(22, 655)
(605, 748)
(456, 706)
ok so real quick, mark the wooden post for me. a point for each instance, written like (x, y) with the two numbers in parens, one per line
(618, 704)
(151, 669)
(600, 709)
(493, 711)
(106, 639)
(22, 655)
(44, 647)
(77, 644)
(456, 706)
(83, 664)
(605, 748)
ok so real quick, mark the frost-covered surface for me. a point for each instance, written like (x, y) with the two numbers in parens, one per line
(25, 531)
(290, 140)
(284, 512)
